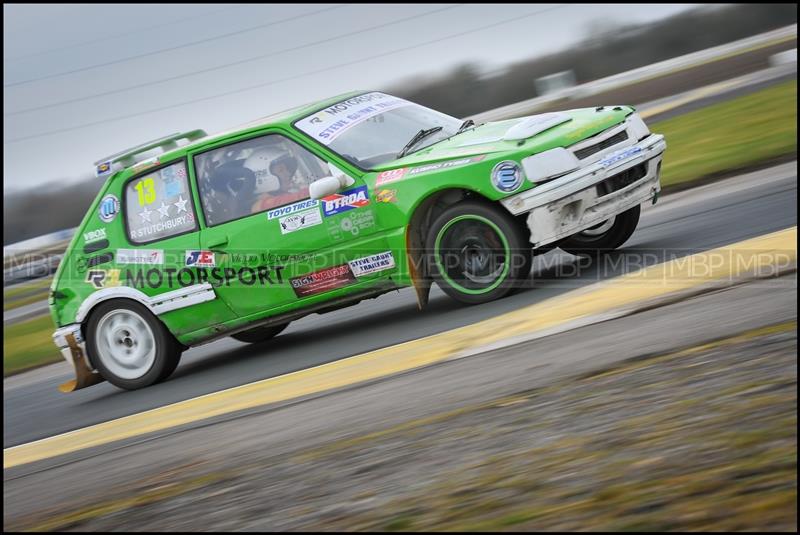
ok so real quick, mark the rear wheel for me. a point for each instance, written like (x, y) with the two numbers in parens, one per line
(259, 334)
(603, 237)
(129, 346)
(477, 252)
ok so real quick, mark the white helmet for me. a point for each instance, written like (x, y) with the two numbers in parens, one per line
(259, 163)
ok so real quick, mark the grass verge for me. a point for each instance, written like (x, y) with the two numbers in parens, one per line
(730, 135)
(26, 293)
(28, 344)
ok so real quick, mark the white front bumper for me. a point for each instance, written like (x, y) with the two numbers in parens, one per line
(569, 204)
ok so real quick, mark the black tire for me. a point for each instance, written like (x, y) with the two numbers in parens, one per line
(259, 334)
(585, 243)
(167, 350)
(477, 252)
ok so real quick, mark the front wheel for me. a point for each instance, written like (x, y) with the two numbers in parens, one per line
(129, 346)
(605, 236)
(477, 252)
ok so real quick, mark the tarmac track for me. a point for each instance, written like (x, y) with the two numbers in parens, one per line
(681, 224)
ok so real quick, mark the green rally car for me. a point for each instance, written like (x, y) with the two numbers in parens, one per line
(197, 237)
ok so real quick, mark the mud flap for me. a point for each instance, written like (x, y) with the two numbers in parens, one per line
(422, 283)
(84, 377)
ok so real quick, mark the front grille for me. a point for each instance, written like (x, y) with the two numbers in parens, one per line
(620, 180)
(594, 149)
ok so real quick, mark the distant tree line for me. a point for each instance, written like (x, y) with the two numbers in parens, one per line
(607, 50)
(48, 208)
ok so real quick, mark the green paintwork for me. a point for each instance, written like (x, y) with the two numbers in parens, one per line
(256, 241)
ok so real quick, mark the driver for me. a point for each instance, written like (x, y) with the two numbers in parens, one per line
(233, 184)
(282, 170)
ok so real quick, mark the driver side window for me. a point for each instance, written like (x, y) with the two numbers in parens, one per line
(253, 176)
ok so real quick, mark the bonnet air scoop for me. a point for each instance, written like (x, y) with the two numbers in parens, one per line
(535, 124)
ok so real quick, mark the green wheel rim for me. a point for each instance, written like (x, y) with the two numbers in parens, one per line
(443, 272)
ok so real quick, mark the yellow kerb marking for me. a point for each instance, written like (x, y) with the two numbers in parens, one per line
(691, 271)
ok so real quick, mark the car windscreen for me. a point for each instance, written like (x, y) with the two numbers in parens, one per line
(373, 128)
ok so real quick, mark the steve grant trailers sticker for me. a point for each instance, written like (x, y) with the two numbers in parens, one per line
(372, 264)
(322, 281)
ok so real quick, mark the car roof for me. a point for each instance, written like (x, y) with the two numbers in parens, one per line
(284, 117)
(281, 118)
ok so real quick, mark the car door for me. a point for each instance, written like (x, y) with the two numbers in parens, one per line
(270, 247)
(160, 227)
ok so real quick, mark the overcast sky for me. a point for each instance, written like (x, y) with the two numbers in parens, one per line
(257, 59)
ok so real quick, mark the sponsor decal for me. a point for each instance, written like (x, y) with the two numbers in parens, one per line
(386, 195)
(328, 124)
(168, 173)
(140, 256)
(372, 264)
(291, 208)
(173, 188)
(102, 278)
(173, 178)
(200, 259)
(343, 202)
(393, 175)
(94, 235)
(444, 165)
(270, 258)
(186, 221)
(619, 155)
(109, 208)
(103, 168)
(322, 281)
(351, 224)
(507, 176)
(300, 220)
(217, 276)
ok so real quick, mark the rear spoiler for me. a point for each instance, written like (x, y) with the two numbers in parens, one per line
(126, 158)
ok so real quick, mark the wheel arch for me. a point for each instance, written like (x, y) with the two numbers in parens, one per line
(107, 294)
(422, 214)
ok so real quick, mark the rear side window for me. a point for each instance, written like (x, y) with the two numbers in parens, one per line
(158, 205)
